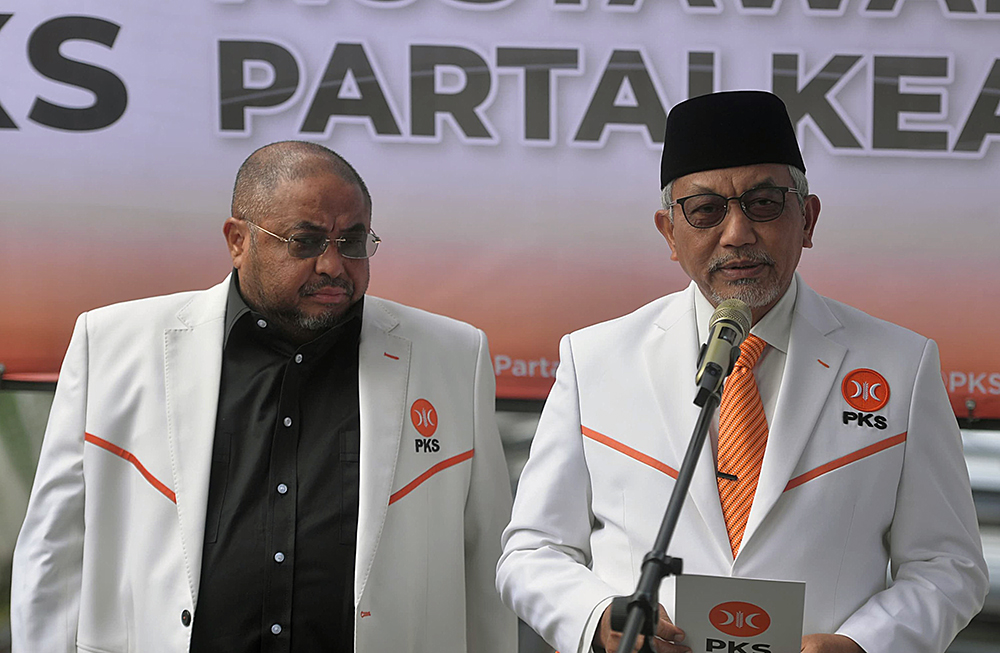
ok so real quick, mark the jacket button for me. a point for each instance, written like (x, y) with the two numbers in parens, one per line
(186, 618)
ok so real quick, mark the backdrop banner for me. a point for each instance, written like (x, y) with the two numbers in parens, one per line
(512, 149)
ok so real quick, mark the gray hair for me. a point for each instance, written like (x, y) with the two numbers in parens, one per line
(799, 181)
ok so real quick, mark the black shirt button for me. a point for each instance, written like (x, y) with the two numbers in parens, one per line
(186, 618)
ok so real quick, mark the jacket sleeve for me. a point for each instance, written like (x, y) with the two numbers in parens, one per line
(48, 557)
(490, 626)
(936, 559)
(544, 572)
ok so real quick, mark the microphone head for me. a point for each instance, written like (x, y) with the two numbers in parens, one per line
(735, 312)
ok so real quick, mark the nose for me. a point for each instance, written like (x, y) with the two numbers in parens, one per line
(330, 262)
(737, 228)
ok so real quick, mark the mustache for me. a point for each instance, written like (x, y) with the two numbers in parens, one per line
(326, 282)
(744, 255)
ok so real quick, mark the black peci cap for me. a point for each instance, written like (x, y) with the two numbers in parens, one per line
(725, 130)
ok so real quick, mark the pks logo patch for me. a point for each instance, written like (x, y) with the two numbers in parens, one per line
(865, 390)
(739, 619)
(424, 417)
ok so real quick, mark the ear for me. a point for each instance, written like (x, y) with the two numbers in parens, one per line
(666, 227)
(237, 240)
(811, 213)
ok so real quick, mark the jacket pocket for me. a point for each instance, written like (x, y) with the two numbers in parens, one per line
(218, 482)
(350, 465)
(85, 648)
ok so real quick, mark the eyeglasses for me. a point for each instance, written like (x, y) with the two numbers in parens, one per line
(707, 210)
(306, 245)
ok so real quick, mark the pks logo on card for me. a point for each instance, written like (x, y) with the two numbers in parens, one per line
(739, 619)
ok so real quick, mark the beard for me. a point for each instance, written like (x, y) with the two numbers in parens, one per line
(755, 293)
(293, 316)
(287, 315)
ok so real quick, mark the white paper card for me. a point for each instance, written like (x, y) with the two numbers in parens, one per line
(739, 615)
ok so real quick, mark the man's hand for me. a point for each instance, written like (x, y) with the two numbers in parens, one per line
(829, 644)
(663, 642)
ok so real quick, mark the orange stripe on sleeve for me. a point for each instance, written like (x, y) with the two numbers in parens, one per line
(127, 455)
(630, 452)
(846, 460)
(444, 464)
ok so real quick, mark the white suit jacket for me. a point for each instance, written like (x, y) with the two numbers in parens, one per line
(836, 502)
(109, 556)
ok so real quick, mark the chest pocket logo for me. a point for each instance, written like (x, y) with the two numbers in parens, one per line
(425, 419)
(865, 390)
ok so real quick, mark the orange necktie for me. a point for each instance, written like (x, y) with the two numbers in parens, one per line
(742, 438)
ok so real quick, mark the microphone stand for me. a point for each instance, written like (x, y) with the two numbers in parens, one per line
(639, 612)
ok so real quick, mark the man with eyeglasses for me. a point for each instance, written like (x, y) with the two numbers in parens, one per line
(280, 463)
(835, 454)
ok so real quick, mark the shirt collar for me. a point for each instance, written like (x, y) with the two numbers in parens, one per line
(236, 307)
(774, 328)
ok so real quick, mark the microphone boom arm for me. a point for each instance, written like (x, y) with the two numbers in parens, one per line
(639, 612)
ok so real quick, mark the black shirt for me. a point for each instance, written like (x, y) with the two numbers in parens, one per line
(277, 570)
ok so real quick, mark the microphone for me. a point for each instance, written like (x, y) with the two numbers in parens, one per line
(728, 327)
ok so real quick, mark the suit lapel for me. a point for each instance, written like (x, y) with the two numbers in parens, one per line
(192, 372)
(383, 371)
(806, 384)
(671, 359)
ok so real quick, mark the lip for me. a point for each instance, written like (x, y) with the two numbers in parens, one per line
(329, 295)
(742, 269)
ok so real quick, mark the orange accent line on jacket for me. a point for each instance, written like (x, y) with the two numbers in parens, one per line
(846, 460)
(127, 455)
(444, 464)
(629, 451)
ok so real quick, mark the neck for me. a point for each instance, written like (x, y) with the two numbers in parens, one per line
(757, 314)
